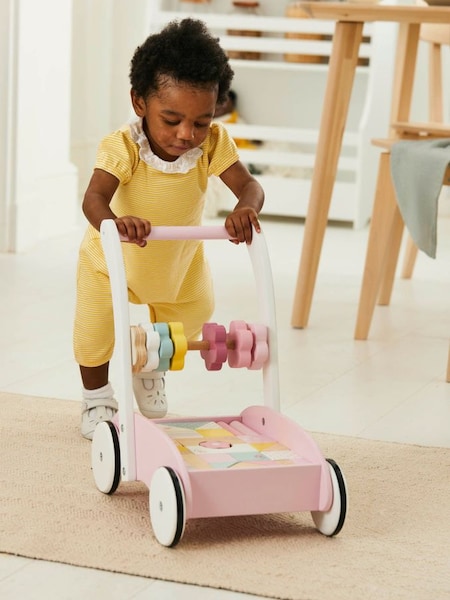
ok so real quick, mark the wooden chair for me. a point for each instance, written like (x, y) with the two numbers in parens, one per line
(436, 37)
(386, 228)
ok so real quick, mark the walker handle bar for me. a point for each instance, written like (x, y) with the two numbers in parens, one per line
(177, 232)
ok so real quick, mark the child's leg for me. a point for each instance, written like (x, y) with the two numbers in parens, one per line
(93, 344)
(94, 377)
(98, 399)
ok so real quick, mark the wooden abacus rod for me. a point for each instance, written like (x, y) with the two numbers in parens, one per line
(205, 345)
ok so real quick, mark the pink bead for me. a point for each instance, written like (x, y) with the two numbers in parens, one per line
(216, 335)
(260, 350)
(242, 338)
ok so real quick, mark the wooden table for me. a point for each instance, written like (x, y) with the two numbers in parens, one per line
(350, 19)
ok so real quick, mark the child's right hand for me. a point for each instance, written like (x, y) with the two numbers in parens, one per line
(134, 228)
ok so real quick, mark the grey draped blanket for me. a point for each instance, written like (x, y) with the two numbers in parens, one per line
(417, 169)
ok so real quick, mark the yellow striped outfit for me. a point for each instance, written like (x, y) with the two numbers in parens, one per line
(171, 277)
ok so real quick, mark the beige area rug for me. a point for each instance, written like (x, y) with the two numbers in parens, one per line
(395, 543)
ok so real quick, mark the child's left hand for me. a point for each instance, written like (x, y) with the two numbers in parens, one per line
(240, 224)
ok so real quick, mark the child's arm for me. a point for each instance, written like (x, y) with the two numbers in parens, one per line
(96, 207)
(250, 197)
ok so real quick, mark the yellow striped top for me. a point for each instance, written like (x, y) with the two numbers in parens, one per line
(157, 273)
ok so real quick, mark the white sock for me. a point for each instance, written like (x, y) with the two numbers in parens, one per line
(105, 391)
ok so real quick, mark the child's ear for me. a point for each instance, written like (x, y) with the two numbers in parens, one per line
(138, 104)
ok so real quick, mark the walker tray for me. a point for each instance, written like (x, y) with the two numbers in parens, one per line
(257, 462)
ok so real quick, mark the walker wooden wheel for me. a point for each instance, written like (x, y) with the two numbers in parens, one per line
(330, 522)
(105, 457)
(167, 506)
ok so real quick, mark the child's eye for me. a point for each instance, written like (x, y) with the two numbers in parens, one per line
(176, 123)
(171, 123)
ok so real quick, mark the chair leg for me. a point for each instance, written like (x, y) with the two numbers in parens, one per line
(435, 84)
(392, 254)
(384, 216)
(409, 260)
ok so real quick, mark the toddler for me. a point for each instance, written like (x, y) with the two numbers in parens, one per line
(154, 171)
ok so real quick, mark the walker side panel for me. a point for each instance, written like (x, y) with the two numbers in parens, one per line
(155, 449)
(258, 490)
(287, 432)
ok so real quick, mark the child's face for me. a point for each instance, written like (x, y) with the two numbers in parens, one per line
(177, 118)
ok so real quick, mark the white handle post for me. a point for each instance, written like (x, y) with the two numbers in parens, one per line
(119, 290)
(259, 256)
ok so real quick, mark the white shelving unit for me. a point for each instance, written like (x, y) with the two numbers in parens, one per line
(281, 104)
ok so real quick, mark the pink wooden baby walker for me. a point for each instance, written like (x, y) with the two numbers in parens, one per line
(257, 462)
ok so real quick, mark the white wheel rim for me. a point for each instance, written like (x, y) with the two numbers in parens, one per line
(328, 522)
(103, 458)
(166, 510)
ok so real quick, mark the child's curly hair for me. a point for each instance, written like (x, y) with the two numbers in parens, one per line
(184, 51)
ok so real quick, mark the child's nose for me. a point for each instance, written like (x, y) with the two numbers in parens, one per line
(186, 131)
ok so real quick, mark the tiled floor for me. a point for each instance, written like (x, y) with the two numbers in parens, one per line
(391, 387)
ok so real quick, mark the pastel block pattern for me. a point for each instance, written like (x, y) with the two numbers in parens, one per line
(220, 445)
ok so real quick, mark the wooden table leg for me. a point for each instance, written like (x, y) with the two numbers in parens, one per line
(343, 60)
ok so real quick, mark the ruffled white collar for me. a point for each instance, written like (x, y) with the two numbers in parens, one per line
(182, 164)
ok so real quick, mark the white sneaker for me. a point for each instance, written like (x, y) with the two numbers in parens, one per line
(150, 394)
(95, 410)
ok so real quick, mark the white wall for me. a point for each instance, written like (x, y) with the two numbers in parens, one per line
(105, 35)
(64, 84)
(39, 191)
(7, 120)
